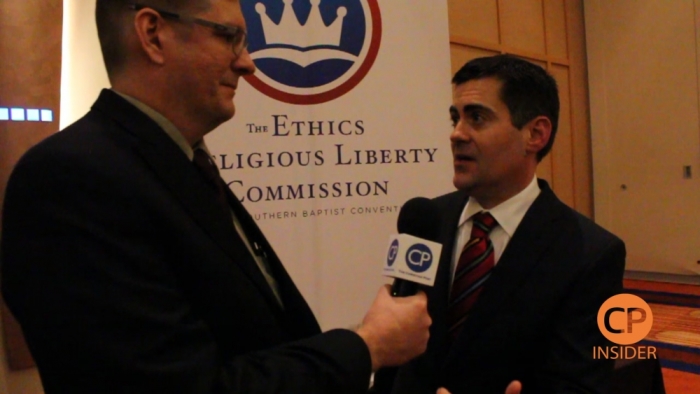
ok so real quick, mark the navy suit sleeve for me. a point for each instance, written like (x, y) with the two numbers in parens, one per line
(569, 365)
(103, 310)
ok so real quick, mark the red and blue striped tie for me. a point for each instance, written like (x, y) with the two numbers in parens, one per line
(473, 269)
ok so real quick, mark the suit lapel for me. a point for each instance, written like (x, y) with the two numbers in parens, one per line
(439, 294)
(450, 221)
(180, 176)
(524, 252)
(299, 320)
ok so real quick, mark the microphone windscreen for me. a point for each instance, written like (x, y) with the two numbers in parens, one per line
(419, 217)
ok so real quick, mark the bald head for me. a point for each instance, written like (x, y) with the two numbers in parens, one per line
(114, 21)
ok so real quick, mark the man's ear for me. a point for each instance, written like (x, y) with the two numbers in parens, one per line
(149, 29)
(538, 135)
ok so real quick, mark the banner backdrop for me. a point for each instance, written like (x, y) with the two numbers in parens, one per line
(345, 119)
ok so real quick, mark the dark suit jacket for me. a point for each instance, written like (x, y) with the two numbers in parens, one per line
(535, 320)
(128, 277)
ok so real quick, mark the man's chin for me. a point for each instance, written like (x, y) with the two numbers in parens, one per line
(462, 183)
(228, 111)
(221, 116)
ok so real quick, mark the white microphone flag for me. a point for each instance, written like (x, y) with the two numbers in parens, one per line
(413, 259)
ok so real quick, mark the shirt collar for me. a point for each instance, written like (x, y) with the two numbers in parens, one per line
(170, 129)
(509, 213)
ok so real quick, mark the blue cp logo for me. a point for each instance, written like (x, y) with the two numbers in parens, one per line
(419, 258)
(393, 252)
(311, 51)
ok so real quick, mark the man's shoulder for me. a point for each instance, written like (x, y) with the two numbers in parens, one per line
(593, 235)
(80, 138)
(96, 132)
(450, 199)
(91, 147)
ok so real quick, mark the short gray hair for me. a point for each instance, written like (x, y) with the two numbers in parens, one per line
(112, 19)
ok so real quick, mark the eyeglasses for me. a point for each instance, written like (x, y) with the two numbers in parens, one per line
(234, 36)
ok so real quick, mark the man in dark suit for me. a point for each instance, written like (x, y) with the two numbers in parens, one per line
(132, 269)
(522, 275)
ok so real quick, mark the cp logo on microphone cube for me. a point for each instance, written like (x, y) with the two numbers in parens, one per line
(625, 319)
(419, 257)
(418, 264)
(393, 252)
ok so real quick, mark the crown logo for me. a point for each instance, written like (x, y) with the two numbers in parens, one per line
(290, 32)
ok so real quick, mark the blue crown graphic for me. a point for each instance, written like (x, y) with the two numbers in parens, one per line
(291, 32)
(302, 44)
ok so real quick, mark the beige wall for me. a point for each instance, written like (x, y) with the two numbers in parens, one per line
(549, 33)
(645, 116)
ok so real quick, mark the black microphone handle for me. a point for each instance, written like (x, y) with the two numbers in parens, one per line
(403, 288)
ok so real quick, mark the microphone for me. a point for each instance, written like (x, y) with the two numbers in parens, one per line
(419, 227)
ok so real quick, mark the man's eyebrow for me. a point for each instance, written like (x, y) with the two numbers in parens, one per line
(454, 112)
(233, 26)
(476, 107)
(227, 28)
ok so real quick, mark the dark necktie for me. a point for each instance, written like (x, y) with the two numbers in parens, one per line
(473, 269)
(206, 166)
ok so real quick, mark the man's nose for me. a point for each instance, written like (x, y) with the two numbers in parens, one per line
(244, 65)
(460, 133)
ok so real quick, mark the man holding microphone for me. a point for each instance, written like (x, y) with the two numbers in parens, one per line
(130, 265)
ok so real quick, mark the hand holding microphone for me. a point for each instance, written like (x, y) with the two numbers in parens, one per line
(396, 330)
(396, 327)
(414, 254)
